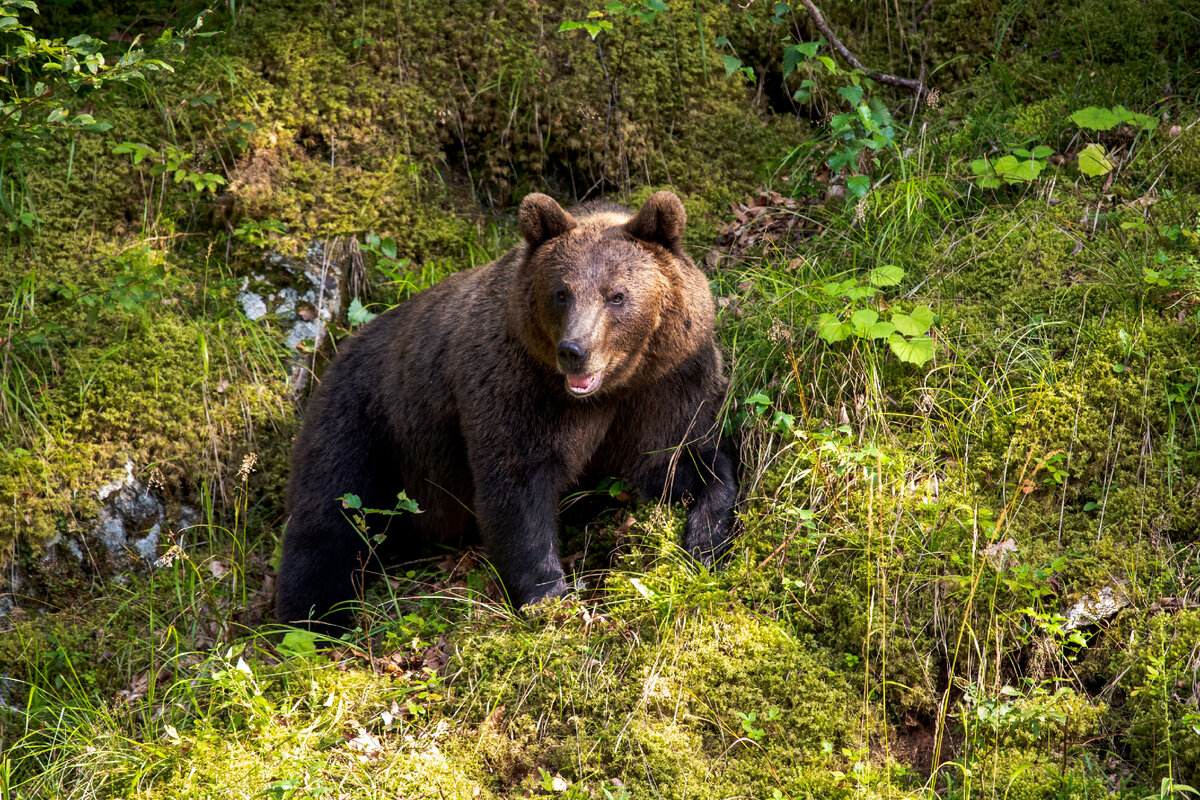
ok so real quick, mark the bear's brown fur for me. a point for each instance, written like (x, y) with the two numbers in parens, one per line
(586, 350)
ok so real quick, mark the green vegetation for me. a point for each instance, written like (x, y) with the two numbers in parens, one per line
(963, 331)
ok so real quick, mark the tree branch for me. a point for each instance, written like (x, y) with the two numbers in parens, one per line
(915, 86)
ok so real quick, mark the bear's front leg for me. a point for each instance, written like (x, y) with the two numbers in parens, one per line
(703, 476)
(519, 527)
(712, 483)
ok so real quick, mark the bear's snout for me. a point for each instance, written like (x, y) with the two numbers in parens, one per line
(572, 356)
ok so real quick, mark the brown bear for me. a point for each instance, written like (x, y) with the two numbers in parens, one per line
(586, 350)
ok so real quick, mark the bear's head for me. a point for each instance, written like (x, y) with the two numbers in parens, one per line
(606, 298)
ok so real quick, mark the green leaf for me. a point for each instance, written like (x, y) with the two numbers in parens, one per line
(917, 323)
(887, 275)
(912, 351)
(299, 643)
(831, 329)
(1041, 151)
(981, 166)
(862, 320)
(732, 64)
(1096, 118)
(881, 330)
(858, 185)
(1027, 171)
(406, 503)
(357, 314)
(793, 54)
(57, 115)
(351, 501)
(829, 64)
(1005, 166)
(852, 94)
(842, 158)
(1093, 160)
(859, 292)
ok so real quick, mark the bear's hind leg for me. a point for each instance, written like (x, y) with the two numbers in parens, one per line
(326, 558)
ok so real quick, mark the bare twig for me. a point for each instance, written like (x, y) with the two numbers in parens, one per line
(915, 86)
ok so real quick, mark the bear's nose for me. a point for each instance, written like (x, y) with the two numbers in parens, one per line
(571, 355)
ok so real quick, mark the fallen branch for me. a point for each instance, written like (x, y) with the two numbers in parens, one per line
(915, 86)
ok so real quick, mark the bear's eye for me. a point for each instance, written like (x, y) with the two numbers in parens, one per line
(560, 297)
(617, 298)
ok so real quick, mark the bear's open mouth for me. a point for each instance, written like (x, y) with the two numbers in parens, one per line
(579, 385)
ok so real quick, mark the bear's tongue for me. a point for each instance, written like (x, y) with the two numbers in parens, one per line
(583, 384)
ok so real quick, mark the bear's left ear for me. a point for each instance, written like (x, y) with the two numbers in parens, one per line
(541, 219)
(660, 220)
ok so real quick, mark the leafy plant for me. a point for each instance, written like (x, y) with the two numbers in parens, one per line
(1019, 166)
(1096, 118)
(906, 334)
(42, 77)
(174, 162)
(596, 22)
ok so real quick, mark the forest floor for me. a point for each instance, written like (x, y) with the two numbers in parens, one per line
(962, 333)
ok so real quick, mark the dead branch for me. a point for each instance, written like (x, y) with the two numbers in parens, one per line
(915, 86)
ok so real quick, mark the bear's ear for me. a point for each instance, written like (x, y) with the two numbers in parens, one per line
(541, 219)
(661, 220)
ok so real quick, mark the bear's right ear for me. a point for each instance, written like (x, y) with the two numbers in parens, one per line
(541, 219)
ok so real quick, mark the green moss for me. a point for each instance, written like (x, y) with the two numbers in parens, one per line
(1159, 661)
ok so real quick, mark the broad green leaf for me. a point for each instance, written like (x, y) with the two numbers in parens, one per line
(406, 503)
(1041, 151)
(887, 275)
(842, 158)
(732, 64)
(357, 314)
(299, 643)
(981, 166)
(882, 330)
(831, 329)
(1027, 170)
(829, 64)
(1096, 118)
(843, 123)
(852, 94)
(880, 112)
(858, 185)
(57, 115)
(793, 54)
(859, 292)
(862, 320)
(912, 351)
(1093, 160)
(569, 25)
(1005, 166)
(917, 323)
